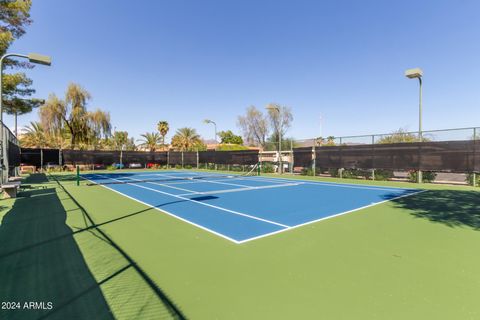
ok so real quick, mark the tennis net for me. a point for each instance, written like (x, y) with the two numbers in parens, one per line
(128, 178)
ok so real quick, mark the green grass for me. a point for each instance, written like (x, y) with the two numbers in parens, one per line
(412, 258)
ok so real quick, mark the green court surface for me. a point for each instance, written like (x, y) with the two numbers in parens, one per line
(99, 255)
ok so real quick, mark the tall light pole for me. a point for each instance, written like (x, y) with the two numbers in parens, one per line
(277, 109)
(33, 58)
(412, 74)
(214, 124)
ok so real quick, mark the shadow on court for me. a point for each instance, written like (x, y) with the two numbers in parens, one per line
(454, 208)
(34, 269)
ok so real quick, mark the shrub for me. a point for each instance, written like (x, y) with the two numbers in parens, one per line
(469, 179)
(427, 176)
(267, 167)
(178, 166)
(307, 172)
(383, 174)
(188, 166)
(111, 168)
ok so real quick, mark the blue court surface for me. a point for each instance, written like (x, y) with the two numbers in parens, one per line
(241, 208)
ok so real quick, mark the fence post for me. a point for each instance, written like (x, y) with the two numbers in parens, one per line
(197, 160)
(168, 160)
(314, 159)
(60, 158)
(373, 157)
(41, 160)
(182, 159)
(292, 160)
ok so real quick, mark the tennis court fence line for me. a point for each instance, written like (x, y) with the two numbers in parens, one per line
(451, 150)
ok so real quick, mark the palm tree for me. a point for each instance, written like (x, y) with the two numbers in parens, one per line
(150, 140)
(185, 139)
(34, 136)
(331, 140)
(163, 128)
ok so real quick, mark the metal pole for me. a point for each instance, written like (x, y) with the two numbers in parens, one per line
(474, 174)
(41, 159)
(280, 151)
(373, 157)
(292, 160)
(419, 176)
(16, 128)
(314, 159)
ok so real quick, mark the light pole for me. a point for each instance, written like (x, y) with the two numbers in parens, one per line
(412, 74)
(33, 58)
(214, 124)
(277, 109)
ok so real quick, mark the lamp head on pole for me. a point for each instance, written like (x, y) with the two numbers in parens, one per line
(414, 73)
(39, 59)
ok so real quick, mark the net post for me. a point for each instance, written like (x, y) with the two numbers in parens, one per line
(78, 175)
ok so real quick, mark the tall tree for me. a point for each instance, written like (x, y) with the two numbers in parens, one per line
(17, 107)
(280, 118)
(14, 17)
(186, 139)
(163, 127)
(71, 114)
(254, 126)
(229, 137)
(150, 141)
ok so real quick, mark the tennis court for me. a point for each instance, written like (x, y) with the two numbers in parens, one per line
(243, 208)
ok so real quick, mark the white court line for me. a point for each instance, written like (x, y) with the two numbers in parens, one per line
(287, 228)
(167, 212)
(329, 217)
(211, 181)
(203, 203)
(242, 189)
(326, 183)
(160, 184)
(331, 184)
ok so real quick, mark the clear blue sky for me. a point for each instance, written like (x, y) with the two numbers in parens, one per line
(184, 61)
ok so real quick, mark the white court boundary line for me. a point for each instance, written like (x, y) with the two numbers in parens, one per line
(241, 189)
(210, 181)
(288, 228)
(203, 203)
(329, 217)
(283, 180)
(157, 183)
(168, 213)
